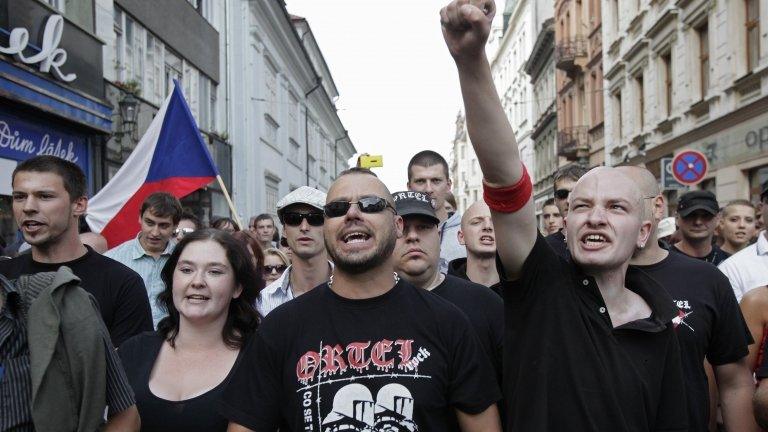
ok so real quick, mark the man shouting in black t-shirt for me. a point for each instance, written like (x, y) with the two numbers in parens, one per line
(709, 322)
(365, 351)
(48, 201)
(589, 345)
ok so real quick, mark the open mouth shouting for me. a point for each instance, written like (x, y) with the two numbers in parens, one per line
(197, 298)
(594, 241)
(356, 239)
(31, 226)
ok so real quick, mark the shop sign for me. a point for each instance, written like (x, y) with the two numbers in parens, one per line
(21, 140)
(667, 177)
(50, 57)
(745, 141)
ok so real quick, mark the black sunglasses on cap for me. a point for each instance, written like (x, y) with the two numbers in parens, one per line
(294, 218)
(372, 204)
(562, 194)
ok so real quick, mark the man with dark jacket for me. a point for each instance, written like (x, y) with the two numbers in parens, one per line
(58, 367)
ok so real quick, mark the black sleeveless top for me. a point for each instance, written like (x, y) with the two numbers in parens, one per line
(199, 413)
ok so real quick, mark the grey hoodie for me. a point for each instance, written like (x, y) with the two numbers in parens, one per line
(450, 248)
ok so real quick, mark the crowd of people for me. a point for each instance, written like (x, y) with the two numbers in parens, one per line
(381, 311)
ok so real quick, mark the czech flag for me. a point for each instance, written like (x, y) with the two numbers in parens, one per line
(170, 157)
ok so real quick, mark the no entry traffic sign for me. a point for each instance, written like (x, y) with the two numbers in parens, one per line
(689, 167)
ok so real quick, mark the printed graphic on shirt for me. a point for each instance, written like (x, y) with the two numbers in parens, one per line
(338, 384)
(684, 312)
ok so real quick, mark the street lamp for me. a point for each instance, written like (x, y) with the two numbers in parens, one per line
(128, 109)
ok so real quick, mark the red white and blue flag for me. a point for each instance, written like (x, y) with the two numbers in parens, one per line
(170, 157)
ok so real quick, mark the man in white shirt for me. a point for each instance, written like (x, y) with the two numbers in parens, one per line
(748, 268)
(301, 213)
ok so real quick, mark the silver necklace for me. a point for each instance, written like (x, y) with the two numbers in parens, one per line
(396, 278)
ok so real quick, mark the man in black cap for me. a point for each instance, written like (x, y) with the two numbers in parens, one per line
(697, 219)
(417, 260)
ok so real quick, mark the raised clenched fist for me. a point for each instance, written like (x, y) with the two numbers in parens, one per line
(466, 25)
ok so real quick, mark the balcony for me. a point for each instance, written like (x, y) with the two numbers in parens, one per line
(571, 54)
(573, 143)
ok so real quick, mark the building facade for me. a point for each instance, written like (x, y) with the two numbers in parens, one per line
(578, 59)
(512, 83)
(284, 124)
(540, 66)
(465, 169)
(689, 74)
(52, 99)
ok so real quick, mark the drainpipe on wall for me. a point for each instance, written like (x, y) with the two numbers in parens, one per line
(306, 122)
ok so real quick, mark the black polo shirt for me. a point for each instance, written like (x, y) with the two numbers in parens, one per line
(557, 242)
(567, 368)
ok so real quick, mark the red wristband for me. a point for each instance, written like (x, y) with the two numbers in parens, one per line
(509, 199)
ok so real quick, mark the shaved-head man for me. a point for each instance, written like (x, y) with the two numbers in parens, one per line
(477, 235)
(589, 342)
(709, 326)
(367, 350)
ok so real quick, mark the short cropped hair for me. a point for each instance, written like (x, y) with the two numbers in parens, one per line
(221, 222)
(162, 204)
(188, 215)
(71, 175)
(569, 172)
(548, 202)
(427, 158)
(741, 202)
(451, 199)
(263, 216)
(357, 170)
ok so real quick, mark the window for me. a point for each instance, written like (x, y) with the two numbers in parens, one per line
(271, 192)
(270, 83)
(173, 70)
(56, 4)
(129, 35)
(752, 25)
(119, 42)
(293, 116)
(293, 151)
(270, 129)
(619, 135)
(204, 98)
(703, 32)
(666, 65)
(640, 102)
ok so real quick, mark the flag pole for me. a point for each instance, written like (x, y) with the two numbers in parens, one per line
(229, 201)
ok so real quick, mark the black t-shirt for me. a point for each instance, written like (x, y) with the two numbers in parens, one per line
(400, 361)
(557, 242)
(199, 413)
(715, 256)
(485, 311)
(567, 369)
(118, 290)
(709, 324)
(458, 268)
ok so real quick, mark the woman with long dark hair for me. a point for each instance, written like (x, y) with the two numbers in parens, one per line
(179, 371)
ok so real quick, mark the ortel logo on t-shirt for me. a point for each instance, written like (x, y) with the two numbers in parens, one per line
(354, 374)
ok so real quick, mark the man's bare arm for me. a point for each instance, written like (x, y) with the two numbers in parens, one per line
(466, 26)
(486, 421)
(736, 388)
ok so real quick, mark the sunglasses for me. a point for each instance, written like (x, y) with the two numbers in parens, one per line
(562, 194)
(267, 269)
(294, 218)
(372, 204)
